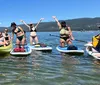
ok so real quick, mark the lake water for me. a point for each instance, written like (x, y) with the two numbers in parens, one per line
(51, 68)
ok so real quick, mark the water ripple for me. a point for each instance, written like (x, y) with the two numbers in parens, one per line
(51, 68)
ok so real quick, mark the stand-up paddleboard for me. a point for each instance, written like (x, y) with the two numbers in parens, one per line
(27, 52)
(40, 47)
(6, 49)
(92, 52)
(70, 50)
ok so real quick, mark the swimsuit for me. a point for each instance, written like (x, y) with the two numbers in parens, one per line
(19, 37)
(64, 34)
(6, 37)
(33, 29)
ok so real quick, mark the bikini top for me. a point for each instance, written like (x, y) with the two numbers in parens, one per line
(19, 30)
(33, 29)
(6, 37)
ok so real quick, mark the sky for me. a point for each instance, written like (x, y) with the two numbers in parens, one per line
(33, 10)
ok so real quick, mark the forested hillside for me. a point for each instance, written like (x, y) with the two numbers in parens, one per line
(75, 24)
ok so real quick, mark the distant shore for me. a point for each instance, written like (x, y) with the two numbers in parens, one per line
(79, 24)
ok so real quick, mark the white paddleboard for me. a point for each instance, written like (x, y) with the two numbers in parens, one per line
(27, 52)
(92, 52)
(40, 48)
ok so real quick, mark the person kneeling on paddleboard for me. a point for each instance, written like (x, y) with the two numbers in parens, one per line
(7, 36)
(96, 42)
(32, 29)
(20, 40)
(65, 32)
(2, 40)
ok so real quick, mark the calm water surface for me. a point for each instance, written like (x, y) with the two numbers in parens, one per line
(51, 68)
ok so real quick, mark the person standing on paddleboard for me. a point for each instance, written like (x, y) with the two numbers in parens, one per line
(32, 29)
(19, 33)
(65, 32)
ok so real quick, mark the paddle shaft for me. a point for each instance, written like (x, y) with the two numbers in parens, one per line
(74, 39)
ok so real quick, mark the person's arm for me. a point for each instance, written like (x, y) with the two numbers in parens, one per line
(38, 23)
(12, 35)
(58, 23)
(3, 34)
(21, 29)
(4, 40)
(70, 31)
(9, 38)
(25, 23)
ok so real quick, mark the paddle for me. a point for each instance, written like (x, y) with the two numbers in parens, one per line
(74, 39)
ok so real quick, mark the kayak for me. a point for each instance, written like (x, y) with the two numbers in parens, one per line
(92, 52)
(40, 47)
(6, 49)
(27, 52)
(70, 50)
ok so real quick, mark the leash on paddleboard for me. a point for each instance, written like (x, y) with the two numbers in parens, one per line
(74, 39)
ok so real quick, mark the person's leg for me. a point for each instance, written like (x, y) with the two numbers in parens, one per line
(6, 42)
(2, 44)
(68, 41)
(36, 39)
(90, 48)
(23, 42)
(31, 40)
(62, 43)
(17, 43)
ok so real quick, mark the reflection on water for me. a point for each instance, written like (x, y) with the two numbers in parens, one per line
(4, 55)
(53, 68)
(69, 61)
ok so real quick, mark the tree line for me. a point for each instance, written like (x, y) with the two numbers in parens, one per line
(79, 24)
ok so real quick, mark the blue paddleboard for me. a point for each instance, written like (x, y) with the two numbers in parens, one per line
(70, 50)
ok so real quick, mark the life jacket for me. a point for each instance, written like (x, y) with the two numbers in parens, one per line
(96, 41)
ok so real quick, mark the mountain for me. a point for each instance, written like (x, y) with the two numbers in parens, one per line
(78, 24)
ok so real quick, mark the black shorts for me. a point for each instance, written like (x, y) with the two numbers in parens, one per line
(65, 38)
